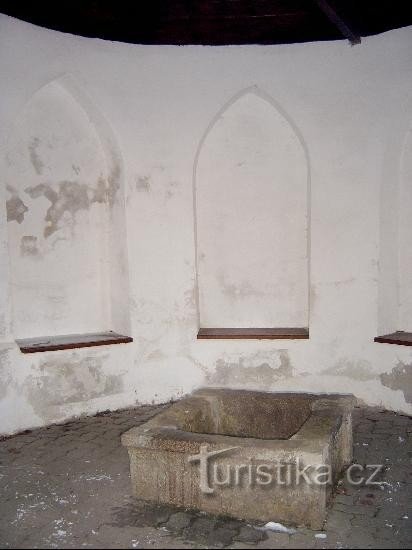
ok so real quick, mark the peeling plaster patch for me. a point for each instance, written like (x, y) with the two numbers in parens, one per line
(28, 246)
(260, 376)
(357, 370)
(35, 159)
(70, 197)
(62, 382)
(143, 184)
(15, 207)
(400, 378)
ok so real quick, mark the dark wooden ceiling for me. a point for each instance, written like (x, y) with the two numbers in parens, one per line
(215, 22)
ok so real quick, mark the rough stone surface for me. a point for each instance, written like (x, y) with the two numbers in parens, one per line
(178, 522)
(251, 425)
(250, 534)
(68, 486)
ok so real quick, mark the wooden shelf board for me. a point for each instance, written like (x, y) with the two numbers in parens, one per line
(253, 333)
(400, 337)
(71, 341)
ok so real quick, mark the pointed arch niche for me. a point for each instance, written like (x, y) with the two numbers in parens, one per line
(395, 319)
(251, 193)
(66, 224)
(405, 231)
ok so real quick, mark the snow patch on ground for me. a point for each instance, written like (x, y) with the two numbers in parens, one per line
(278, 528)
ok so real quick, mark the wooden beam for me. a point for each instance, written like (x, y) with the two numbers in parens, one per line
(337, 20)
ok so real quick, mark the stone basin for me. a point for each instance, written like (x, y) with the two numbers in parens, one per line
(252, 455)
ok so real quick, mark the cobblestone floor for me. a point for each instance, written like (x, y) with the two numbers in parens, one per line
(68, 486)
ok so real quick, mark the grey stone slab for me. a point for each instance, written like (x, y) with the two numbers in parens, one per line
(285, 433)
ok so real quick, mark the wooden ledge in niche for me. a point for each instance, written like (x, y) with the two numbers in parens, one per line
(71, 341)
(253, 333)
(399, 337)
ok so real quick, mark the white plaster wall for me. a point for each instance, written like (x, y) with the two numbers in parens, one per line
(405, 237)
(251, 190)
(352, 106)
(55, 177)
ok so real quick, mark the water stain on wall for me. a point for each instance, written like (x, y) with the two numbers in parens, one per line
(62, 382)
(28, 246)
(400, 378)
(262, 376)
(35, 159)
(15, 207)
(356, 370)
(70, 197)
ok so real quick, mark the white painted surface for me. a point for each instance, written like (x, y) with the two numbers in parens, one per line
(405, 237)
(251, 185)
(56, 167)
(150, 107)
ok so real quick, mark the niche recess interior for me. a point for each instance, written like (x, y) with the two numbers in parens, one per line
(251, 180)
(65, 210)
(399, 300)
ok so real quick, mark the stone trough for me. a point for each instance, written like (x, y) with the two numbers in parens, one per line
(251, 455)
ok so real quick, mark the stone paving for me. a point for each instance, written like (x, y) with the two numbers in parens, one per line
(68, 486)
